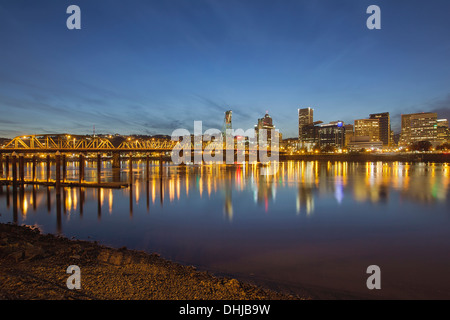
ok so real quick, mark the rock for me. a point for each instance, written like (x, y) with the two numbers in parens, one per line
(17, 255)
(32, 251)
(233, 284)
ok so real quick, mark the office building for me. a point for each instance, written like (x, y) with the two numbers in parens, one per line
(384, 127)
(332, 134)
(419, 127)
(305, 118)
(443, 131)
(368, 128)
(266, 123)
(348, 134)
(364, 143)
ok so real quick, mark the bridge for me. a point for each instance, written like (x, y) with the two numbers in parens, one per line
(50, 143)
(62, 144)
(80, 143)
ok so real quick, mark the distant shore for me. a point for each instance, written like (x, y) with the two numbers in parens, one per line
(33, 266)
(372, 157)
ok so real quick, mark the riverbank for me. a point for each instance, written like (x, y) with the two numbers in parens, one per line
(33, 266)
(371, 157)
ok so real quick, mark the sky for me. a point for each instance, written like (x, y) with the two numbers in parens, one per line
(150, 67)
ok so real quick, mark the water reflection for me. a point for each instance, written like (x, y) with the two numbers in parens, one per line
(371, 182)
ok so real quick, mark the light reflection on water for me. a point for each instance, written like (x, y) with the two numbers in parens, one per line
(311, 224)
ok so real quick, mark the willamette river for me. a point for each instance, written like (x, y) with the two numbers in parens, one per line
(311, 225)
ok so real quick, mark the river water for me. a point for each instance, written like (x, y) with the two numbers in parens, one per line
(304, 227)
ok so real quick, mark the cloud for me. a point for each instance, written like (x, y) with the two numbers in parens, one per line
(440, 105)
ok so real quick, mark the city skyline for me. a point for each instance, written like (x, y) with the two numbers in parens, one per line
(155, 67)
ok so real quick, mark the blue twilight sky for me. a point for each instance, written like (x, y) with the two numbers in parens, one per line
(149, 67)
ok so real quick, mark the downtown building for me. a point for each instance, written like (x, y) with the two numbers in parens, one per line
(332, 135)
(418, 127)
(305, 121)
(349, 133)
(366, 135)
(368, 128)
(266, 123)
(384, 127)
(443, 131)
(322, 135)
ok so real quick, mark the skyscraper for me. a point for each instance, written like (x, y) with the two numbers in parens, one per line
(305, 118)
(227, 125)
(384, 127)
(266, 124)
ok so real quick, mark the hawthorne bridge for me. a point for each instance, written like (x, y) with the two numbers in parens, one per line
(81, 143)
(36, 147)
(67, 143)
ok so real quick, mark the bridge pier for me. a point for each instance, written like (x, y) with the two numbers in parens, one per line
(1, 164)
(130, 168)
(116, 160)
(81, 168)
(48, 167)
(147, 167)
(64, 168)
(33, 168)
(7, 167)
(21, 168)
(58, 173)
(14, 170)
(160, 165)
(99, 167)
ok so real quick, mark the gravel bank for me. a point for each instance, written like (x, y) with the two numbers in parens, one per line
(33, 266)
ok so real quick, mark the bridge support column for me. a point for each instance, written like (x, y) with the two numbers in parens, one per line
(33, 168)
(48, 167)
(7, 167)
(130, 168)
(21, 169)
(81, 169)
(1, 164)
(14, 170)
(147, 167)
(64, 168)
(58, 172)
(116, 160)
(99, 168)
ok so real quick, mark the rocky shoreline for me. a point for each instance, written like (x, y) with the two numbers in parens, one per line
(33, 267)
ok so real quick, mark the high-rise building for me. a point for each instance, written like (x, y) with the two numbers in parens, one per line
(384, 127)
(305, 118)
(332, 134)
(348, 134)
(443, 131)
(419, 127)
(310, 136)
(227, 119)
(368, 128)
(227, 124)
(267, 124)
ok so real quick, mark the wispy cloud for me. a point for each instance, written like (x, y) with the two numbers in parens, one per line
(440, 105)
